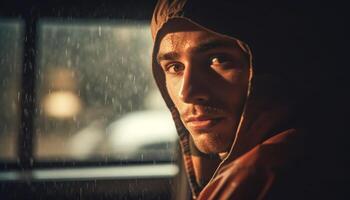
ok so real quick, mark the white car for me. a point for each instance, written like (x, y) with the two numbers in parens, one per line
(145, 135)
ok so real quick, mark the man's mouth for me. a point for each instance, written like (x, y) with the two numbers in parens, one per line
(202, 122)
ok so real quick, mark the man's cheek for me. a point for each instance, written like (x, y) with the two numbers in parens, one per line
(173, 91)
(235, 77)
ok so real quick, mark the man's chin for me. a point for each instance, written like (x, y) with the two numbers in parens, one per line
(211, 143)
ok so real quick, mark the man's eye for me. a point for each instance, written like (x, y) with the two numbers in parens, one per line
(218, 60)
(174, 68)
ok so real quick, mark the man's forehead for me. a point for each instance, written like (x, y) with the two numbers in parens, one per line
(192, 42)
(182, 39)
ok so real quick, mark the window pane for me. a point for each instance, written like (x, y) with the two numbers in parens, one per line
(10, 63)
(97, 100)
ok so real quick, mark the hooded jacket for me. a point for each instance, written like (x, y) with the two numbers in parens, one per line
(268, 140)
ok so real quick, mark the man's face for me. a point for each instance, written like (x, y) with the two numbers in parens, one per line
(206, 77)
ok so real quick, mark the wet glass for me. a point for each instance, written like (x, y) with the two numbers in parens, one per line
(96, 96)
(11, 43)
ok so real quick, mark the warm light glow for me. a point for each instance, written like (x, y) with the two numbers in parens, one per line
(62, 79)
(62, 104)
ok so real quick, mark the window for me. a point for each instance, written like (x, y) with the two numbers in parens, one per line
(83, 118)
(96, 96)
(11, 37)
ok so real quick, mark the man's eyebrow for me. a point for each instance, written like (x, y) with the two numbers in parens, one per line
(168, 56)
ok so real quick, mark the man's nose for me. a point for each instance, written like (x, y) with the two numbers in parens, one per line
(194, 88)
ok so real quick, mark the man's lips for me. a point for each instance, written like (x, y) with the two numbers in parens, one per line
(202, 122)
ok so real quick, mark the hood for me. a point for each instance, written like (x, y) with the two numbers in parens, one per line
(270, 104)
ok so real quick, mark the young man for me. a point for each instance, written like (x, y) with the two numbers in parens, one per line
(240, 125)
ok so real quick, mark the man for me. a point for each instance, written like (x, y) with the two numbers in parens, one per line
(240, 126)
